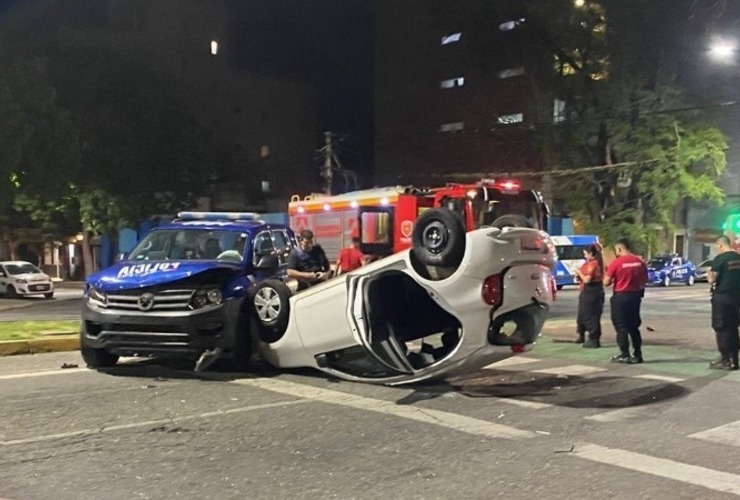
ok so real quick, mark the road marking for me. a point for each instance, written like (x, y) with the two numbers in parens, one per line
(662, 378)
(724, 434)
(43, 373)
(532, 405)
(453, 421)
(148, 423)
(512, 361)
(571, 370)
(678, 471)
(617, 415)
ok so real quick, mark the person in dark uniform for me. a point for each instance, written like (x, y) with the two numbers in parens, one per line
(308, 263)
(628, 274)
(725, 279)
(591, 298)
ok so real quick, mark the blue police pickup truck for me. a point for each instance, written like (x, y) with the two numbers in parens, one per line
(666, 269)
(185, 290)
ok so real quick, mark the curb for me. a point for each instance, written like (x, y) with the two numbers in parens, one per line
(34, 346)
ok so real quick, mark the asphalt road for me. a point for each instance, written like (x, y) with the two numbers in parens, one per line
(64, 306)
(557, 422)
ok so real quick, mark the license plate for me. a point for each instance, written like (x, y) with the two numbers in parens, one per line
(39, 288)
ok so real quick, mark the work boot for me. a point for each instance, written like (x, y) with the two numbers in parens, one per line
(621, 358)
(722, 365)
(592, 344)
(581, 338)
(635, 360)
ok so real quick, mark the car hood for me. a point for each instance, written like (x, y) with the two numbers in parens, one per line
(31, 276)
(134, 274)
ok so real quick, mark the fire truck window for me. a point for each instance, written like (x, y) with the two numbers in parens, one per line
(375, 227)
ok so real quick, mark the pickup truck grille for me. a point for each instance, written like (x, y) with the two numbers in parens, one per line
(162, 300)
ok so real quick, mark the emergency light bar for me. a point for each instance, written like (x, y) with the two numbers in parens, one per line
(219, 216)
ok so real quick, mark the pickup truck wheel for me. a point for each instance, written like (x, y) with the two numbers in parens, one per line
(691, 280)
(96, 358)
(511, 220)
(241, 352)
(439, 238)
(271, 302)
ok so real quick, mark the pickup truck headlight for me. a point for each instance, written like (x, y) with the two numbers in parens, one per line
(207, 297)
(97, 296)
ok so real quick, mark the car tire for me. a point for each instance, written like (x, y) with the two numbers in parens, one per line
(11, 292)
(559, 287)
(96, 358)
(271, 304)
(666, 281)
(511, 220)
(438, 239)
(691, 280)
(49, 295)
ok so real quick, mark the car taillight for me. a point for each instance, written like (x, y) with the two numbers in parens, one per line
(493, 290)
(554, 288)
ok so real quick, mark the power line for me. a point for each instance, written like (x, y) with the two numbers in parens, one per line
(552, 173)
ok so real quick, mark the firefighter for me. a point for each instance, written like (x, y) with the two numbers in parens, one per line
(725, 280)
(628, 274)
(591, 298)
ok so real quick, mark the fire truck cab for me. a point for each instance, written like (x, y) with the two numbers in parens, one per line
(384, 218)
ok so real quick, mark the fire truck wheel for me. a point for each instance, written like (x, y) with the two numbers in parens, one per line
(511, 220)
(270, 300)
(438, 238)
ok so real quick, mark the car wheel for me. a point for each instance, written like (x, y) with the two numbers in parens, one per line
(49, 295)
(511, 220)
(559, 287)
(667, 280)
(271, 303)
(439, 238)
(691, 280)
(12, 294)
(96, 358)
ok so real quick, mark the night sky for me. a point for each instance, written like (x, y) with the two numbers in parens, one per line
(329, 43)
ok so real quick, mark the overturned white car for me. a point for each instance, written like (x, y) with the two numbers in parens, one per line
(455, 301)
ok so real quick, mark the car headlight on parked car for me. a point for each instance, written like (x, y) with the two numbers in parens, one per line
(21, 282)
(207, 297)
(97, 296)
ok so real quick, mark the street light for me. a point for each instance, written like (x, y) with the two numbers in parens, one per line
(723, 51)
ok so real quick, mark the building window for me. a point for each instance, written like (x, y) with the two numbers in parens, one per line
(453, 38)
(452, 82)
(214, 47)
(265, 186)
(558, 111)
(510, 25)
(264, 151)
(452, 127)
(511, 72)
(512, 118)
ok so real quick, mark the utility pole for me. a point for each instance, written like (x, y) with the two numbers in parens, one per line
(327, 173)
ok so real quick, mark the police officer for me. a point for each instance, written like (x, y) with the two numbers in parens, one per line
(725, 279)
(628, 274)
(308, 263)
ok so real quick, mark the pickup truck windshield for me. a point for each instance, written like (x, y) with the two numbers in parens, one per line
(191, 243)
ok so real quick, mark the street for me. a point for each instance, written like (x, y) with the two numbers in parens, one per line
(64, 306)
(557, 422)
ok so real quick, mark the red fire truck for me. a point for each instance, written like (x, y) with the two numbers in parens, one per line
(384, 217)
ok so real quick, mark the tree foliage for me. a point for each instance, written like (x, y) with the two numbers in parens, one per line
(624, 111)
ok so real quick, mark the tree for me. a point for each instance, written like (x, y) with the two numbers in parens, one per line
(624, 111)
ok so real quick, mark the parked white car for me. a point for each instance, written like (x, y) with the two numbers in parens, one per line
(19, 278)
(455, 302)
